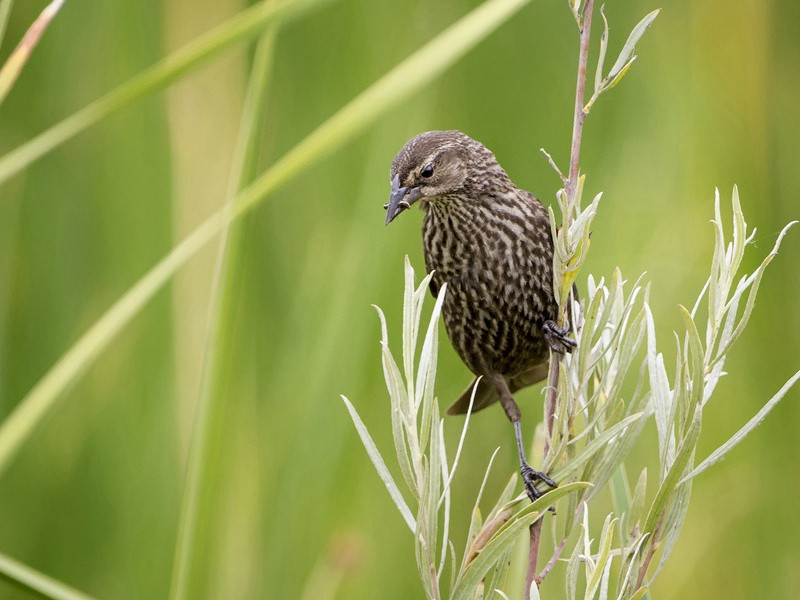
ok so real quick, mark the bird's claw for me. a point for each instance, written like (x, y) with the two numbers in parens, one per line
(557, 339)
(530, 478)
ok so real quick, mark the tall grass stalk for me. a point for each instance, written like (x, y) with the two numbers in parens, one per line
(13, 65)
(243, 26)
(31, 580)
(398, 84)
(219, 340)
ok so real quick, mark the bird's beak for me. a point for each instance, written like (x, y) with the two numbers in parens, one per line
(400, 199)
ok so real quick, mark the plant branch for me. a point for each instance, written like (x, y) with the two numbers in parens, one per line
(580, 115)
(570, 189)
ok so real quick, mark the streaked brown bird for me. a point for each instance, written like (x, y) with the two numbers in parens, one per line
(491, 242)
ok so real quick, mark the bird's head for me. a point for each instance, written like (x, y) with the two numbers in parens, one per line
(436, 165)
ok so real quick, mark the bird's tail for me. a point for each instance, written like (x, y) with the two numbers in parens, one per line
(486, 394)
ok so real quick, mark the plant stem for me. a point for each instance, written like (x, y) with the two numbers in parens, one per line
(570, 189)
(579, 116)
(219, 342)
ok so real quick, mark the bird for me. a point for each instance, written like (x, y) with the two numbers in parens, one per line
(491, 242)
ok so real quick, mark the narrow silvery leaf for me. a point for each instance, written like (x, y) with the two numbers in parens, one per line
(605, 581)
(674, 523)
(631, 572)
(739, 231)
(637, 504)
(660, 388)
(603, 556)
(431, 494)
(696, 352)
(476, 570)
(665, 490)
(621, 499)
(571, 582)
(615, 455)
(596, 445)
(717, 265)
(618, 77)
(427, 371)
(755, 281)
(399, 421)
(448, 477)
(446, 496)
(410, 326)
(630, 44)
(700, 298)
(380, 466)
(505, 499)
(598, 75)
(720, 452)
(398, 399)
(427, 360)
(477, 521)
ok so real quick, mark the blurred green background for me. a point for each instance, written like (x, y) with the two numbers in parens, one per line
(94, 498)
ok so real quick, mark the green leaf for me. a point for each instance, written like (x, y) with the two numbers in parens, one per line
(476, 570)
(398, 398)
(476, 523)
(637, 504)
(14, 63)
(640, 593)
(606, 539)
(5, 13)
(685, 451)
(720, 452)
(595, 446)
(621, 74)
(34, 581)
(380, 466)
(661, 397)
(621, 499)
(624, 59)
(697, 354)
(598, 75)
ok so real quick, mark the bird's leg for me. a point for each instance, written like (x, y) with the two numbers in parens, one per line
(556, 337)
(530, 477)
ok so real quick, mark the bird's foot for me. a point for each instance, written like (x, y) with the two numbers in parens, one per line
(557, 339)
(530, 478)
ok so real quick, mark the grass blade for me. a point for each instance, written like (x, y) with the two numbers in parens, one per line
(30, 579)
(13, 66)
(5, 13)
(220, 340)
(246, 24)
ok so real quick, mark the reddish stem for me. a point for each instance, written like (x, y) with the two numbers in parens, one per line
(570, 188)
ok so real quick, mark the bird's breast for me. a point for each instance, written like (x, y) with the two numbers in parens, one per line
(497, 262)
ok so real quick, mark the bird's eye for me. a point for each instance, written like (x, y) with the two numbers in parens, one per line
(427, 171)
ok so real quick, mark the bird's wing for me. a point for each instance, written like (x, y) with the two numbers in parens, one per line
(487, 394)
